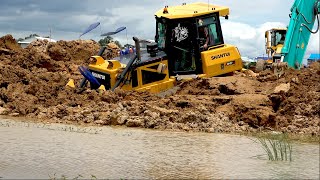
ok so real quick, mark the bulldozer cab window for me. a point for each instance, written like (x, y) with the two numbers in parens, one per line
(182, 46)
(161, 35)
(209, 32)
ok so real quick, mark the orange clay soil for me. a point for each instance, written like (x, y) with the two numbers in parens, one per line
(32, 84)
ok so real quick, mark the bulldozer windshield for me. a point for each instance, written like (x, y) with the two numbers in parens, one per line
(209, 31)
(161, 34)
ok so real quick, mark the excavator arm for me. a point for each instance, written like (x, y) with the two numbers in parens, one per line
(303, 15)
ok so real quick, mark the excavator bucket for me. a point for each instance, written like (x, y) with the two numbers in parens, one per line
(279, 68)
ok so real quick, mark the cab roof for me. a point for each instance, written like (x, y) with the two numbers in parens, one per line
(192, 10)
(278, 29)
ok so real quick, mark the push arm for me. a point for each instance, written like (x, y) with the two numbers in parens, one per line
(304, 13)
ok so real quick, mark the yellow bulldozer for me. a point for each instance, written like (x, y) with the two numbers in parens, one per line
(274, 39)
(188, 44)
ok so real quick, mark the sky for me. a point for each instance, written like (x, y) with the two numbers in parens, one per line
(67, 19)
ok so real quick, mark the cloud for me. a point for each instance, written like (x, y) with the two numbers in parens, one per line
(251, 41)
(314, 44)
(235, 30)
(67, 19)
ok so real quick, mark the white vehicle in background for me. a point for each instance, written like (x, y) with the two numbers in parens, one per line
(24, 43)
(43, 38)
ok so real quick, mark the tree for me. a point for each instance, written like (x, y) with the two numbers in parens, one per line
(30, 36)
(118, 44)
(107, 40)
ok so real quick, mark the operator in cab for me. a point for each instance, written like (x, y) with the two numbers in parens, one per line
(283, 36)
(206, 34)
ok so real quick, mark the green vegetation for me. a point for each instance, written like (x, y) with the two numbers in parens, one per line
(63, 177)
(30, 36)
(278, 147)
(293, 137)
(107, 40)
(249, 65)
(20, 39)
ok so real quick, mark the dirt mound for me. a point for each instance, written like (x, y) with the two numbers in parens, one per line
(112, 51)
(315, 66)
(75, 51)
(303, 98)
(8, 43)
(32, 84)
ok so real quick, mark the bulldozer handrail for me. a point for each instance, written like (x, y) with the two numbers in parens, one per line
(123, 74)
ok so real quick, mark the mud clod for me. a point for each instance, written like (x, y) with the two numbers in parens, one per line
(227, 89)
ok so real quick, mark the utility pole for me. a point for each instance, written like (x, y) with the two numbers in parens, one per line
(50, 33)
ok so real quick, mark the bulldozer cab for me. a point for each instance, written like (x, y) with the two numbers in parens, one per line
(185, 37)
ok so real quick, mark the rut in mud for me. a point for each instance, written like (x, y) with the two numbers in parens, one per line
(32, 84)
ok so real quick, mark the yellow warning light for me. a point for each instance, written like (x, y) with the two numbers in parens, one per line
(165, 10)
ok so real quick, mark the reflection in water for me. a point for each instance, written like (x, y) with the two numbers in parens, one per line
(38, 151)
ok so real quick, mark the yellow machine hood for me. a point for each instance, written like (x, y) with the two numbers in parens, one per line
(192, 10)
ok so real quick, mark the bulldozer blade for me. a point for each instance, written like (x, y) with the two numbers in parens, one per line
(71, 83)
(102, 88)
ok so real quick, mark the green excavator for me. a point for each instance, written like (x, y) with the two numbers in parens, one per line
(290, 53)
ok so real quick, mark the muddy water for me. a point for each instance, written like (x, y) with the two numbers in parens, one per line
(30, 150)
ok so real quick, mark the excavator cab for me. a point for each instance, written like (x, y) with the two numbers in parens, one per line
(274, 40)
(278, 37)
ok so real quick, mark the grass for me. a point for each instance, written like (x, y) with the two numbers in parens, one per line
(63, 177)
(277, 146)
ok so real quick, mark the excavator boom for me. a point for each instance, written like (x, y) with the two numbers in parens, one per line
(303, 15)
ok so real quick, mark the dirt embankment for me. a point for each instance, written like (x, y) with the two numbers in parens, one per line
(32, 84)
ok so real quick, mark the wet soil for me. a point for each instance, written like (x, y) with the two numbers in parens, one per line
(32, 84)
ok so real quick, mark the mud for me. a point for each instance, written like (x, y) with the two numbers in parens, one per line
(32, 84)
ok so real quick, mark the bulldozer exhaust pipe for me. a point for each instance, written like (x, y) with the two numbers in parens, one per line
(121, 77)
(103, 48)
(137, 44)
(123, 74)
